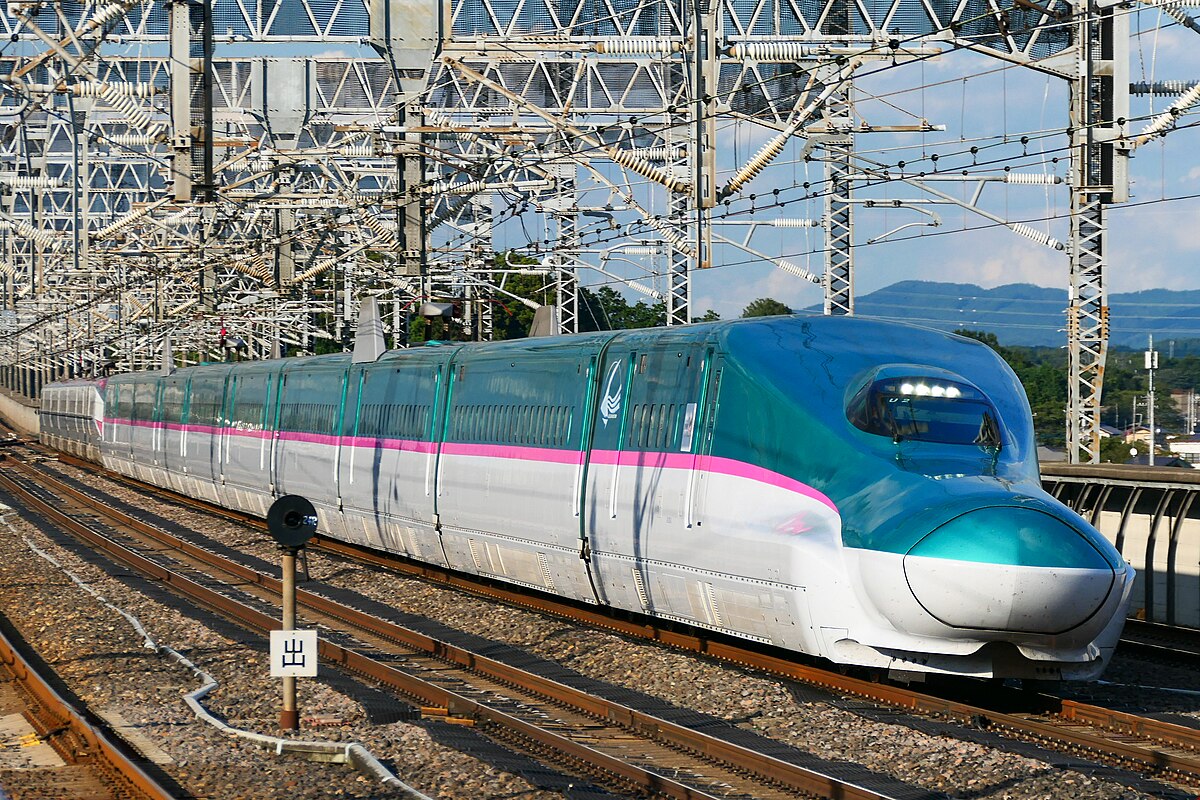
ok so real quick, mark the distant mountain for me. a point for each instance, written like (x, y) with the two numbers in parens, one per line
(1024, 314)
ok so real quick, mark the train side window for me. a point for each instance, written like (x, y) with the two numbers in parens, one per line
(635, 425)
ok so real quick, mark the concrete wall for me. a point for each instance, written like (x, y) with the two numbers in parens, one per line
(1152, 557)
(19, 414)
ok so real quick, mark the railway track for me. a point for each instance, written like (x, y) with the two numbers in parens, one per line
(1162, 641)
(49, 747)
(1149, 746)
(615, 745)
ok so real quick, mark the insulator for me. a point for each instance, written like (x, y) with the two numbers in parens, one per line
(788, 265)
(130, 140)
(448, 187)
(640, 251)
(358, 150)
(1032, 178)
(796, 223)
(44, 238)
(122, 223)
(1176, 12)
(442, 120)
(637, 46)
(128, 89)
(376, 225)
(1160, 88)
(773, 51)
(642, 167)
(30, 181)
(1168, 117)
(315, 270)
(658, 153)
(187, 216)
(107, 14)
(255, 268)
(135, 114)
(1036, 235)
(320, 202)
(670, 233)
(757, 164)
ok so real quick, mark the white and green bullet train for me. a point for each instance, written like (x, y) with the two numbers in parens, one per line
(857, 490)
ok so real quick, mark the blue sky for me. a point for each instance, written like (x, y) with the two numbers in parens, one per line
(1152, 244)
(981, 101)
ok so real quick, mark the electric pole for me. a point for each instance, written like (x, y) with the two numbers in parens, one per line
(1151, 365)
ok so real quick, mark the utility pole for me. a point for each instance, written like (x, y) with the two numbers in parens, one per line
(1151, 365)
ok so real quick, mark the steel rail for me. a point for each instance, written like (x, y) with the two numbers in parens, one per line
(765, 767)
(56, 719)
(1150, 758)
(1159, 640)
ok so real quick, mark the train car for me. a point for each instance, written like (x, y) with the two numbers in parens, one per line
(70, 418)
(857, 490)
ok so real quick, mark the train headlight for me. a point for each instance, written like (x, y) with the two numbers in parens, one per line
(929, 407)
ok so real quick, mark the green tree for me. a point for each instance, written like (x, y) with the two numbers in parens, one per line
(765, 307)
(709, 316)
(987, 337)
(606, 310)
(1115, 450)
(511, 319)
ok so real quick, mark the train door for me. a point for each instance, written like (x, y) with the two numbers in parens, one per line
(641, 469)
(173, 392)
(223, 433)
(308, 435)
(159, 426)
(204, 422)
(705, 428)
(348, 455)
(246, 446)
(122, 420)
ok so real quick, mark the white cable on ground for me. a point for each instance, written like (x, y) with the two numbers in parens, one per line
(339, 752)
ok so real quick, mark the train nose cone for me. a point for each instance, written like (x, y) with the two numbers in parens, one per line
(1009, 569)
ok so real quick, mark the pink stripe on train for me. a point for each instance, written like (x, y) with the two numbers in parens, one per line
(624, 458)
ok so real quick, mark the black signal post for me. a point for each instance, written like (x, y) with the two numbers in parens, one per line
(292, 521)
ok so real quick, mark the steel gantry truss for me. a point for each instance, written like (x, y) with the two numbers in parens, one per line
(156, 181)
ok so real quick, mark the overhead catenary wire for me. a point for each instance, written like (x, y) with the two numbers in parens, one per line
(659, 223)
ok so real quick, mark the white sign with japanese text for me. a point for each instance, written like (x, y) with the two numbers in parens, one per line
(293, 654)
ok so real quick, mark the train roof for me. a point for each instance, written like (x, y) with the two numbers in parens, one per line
(850, 343)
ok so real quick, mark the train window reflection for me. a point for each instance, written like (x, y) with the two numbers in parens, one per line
(926, 409)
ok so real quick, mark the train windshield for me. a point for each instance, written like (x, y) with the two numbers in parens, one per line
(926, 409)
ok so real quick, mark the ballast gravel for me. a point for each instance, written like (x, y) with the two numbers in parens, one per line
(99, 655)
